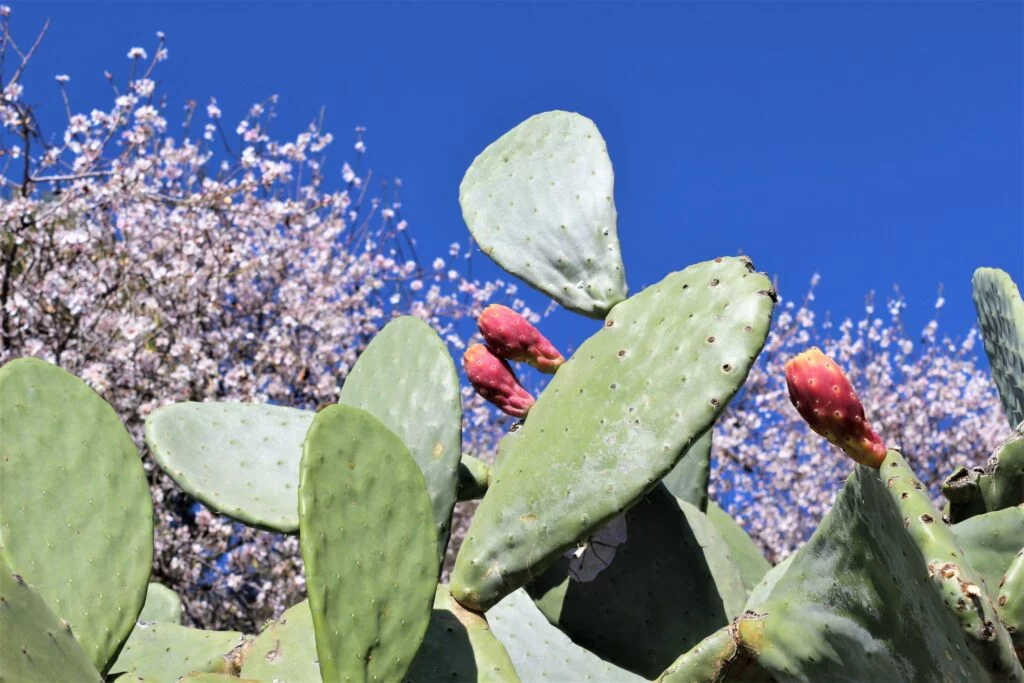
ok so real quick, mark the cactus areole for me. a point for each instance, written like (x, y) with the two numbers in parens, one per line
(825, 398)
(511, 336)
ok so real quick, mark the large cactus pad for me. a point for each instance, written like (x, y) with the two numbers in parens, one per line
(165, 652)
(285, 652)
(366, 530)
(668, 586)
(1001, 317)
(614, 420)
(459, 646)
(540, 652)
(880, 593)
(240, 459)
(539, 202)
(36, 646)
(406, 379)
(76, 519)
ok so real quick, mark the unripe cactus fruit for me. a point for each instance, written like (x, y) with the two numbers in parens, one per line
(511, 336)
(825, 398)
(493, 379)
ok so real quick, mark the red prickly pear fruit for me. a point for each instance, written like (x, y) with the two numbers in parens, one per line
(493, 379)
(511, 336)
(825, 398)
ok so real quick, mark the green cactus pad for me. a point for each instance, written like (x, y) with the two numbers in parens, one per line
(166, 652)
(539, 201)
(719, 658)
(540, 652)
(1001, 318)
(991, 541)
(35, 645)
(474, 475)
(240, 459)
(614, 420)
(286, 649)
(459, 646)
(406, 379)
(879, 593)
(671, 584)
(366, 531)
(201, 677)
(689, 479)
(763, 590)
(996, 486)
(76, 518)
(745, 553)
(1010, 602)
(162, 604)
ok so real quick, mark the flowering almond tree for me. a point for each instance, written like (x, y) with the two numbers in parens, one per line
(193, 261)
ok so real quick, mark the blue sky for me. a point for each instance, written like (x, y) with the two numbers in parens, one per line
(875, 143)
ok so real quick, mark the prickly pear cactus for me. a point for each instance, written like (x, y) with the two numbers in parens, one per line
(76, 519)
(459, 646)
(35, 645)
(540, 652)
(474, 475)
(996, 486)
(689, 479)
(165, 652)
(285, 651)
(366, 531)
(162, 604)
(670, 584)
(406, 379)
(240, 459)
(1001, 317)
(614, 420)
(539, 201)
(745, 554)
(990, 542)
(1010, 602)
(880, 592)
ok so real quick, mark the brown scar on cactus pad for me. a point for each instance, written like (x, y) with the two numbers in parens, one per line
(824, 397)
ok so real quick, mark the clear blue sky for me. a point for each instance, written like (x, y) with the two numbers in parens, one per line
(874, 143)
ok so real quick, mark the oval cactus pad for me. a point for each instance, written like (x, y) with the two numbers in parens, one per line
(36, 646)
(76, 518)
(162, 604)
(285, 652)
(406, 379)
(539, 202)
(366, 531)
(614, 420)
(240, 459)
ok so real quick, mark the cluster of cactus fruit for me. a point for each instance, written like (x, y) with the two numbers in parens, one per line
(594, 554)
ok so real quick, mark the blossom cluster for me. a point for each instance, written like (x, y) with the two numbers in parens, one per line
(194, 261)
